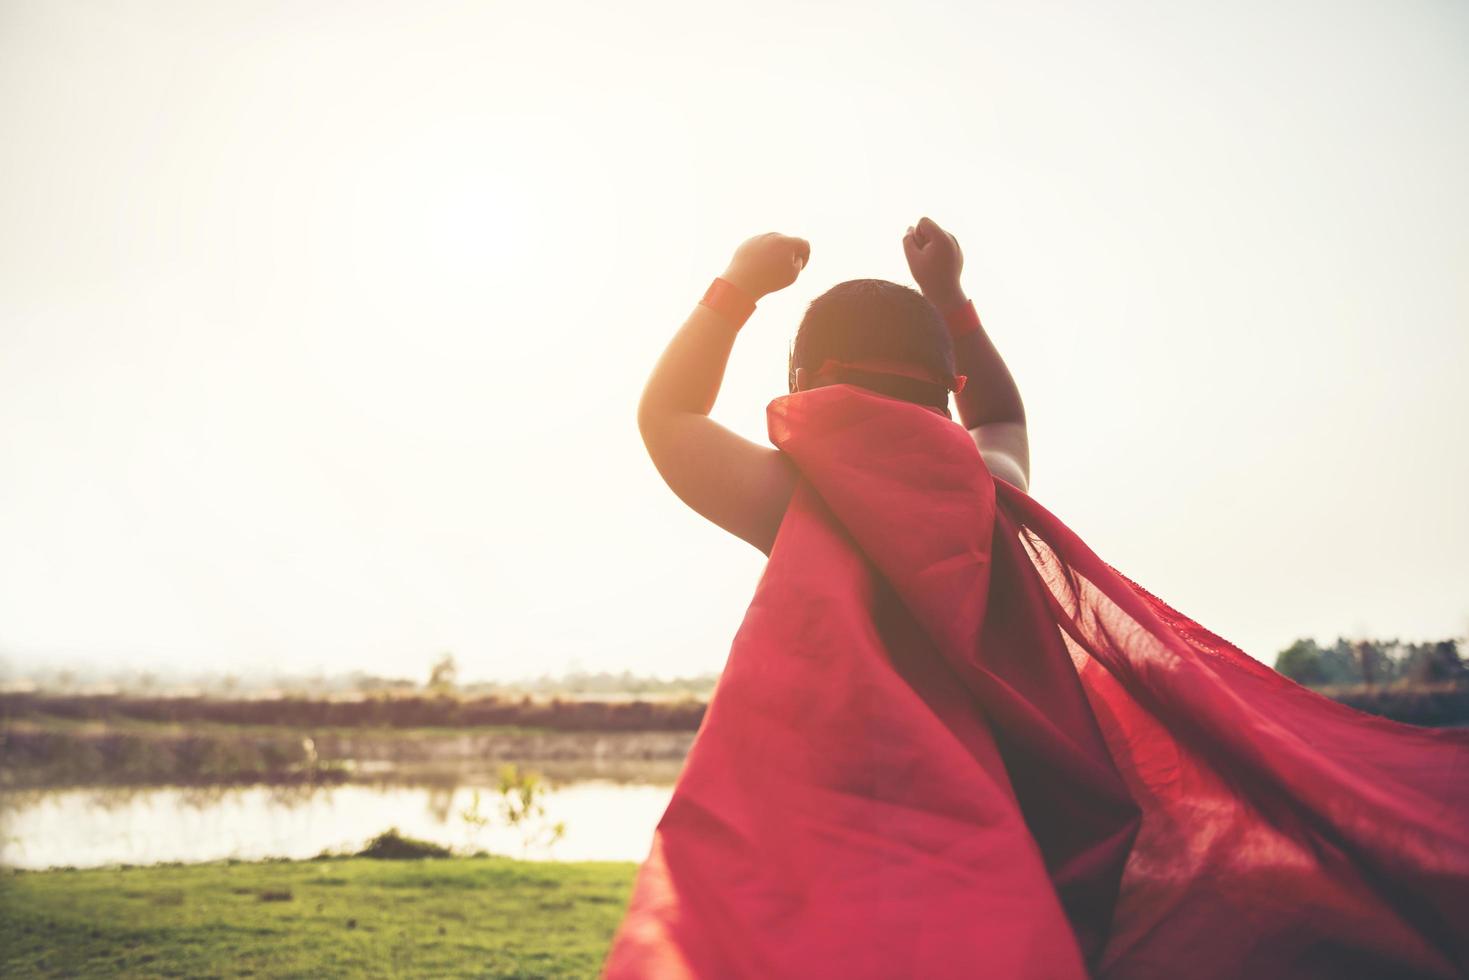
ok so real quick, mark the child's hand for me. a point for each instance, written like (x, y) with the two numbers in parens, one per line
(767, 263)
(935, 260)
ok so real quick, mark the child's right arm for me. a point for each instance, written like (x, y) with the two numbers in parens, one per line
(740, 485)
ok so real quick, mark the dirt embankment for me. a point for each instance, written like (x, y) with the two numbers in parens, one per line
(33, 755)
(398, 747)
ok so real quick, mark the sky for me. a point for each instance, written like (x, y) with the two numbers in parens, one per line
(322, 326)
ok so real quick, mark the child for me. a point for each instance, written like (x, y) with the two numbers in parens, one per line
(951, 741)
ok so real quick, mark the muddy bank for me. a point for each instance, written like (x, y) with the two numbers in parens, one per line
(489, 747)
(38, 756)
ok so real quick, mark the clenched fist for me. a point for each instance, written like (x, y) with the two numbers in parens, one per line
(767, 263)
(935, 260)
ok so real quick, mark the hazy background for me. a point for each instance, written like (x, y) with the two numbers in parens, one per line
(322, 325)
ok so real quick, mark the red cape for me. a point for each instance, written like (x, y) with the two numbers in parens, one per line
(950, 741)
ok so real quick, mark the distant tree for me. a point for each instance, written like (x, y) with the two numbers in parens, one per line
(1434, 663)
(1373, 665)
(444, 674)
(1302, 663)
(1339, 663)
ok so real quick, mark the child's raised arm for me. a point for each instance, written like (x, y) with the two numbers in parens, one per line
(989, 405)
(740, 485)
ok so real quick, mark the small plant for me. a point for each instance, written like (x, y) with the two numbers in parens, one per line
(521, 805)
(475, 820)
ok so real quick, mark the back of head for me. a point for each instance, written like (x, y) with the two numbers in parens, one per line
(864, 319)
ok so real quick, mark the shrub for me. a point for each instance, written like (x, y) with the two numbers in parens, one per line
(393, 846)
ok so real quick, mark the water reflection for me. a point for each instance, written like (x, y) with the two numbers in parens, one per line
(605, 819)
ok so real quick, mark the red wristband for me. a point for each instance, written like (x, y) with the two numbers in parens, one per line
(729, 301)
(962, 320)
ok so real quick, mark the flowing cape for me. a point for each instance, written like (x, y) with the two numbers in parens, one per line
(951, 741)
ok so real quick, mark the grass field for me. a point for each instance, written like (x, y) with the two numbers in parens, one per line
(456, 917)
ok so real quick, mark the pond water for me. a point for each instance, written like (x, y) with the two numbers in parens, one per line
(604, 820)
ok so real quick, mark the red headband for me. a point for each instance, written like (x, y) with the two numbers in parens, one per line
(900, 368)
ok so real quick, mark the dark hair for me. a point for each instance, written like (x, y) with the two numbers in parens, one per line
(874, 318)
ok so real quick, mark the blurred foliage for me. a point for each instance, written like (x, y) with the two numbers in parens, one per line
(443, 676)
(384, 711)
(1372, 662)
(1417, 683)
(521, 807)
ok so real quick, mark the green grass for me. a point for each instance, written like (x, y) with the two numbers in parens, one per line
(462, 917)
